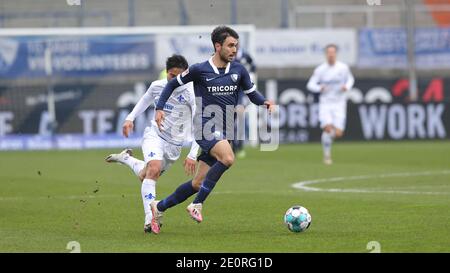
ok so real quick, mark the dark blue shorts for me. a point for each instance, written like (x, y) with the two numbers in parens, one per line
(207, 158)
(206, 146)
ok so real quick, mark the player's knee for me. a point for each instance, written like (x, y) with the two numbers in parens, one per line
(152, 172)
(227, 160)
(327, 129)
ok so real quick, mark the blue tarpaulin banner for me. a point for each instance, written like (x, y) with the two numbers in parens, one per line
(76, 56)
(387, 48)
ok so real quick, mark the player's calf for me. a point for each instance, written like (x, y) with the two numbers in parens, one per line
(198, 180)
(327, 141)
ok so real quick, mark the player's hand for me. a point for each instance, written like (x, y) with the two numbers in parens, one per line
(270, 106)
(322, 88)
(127, 128)
(189, 166)
(159, 118)
(344, 88)
(240, 109)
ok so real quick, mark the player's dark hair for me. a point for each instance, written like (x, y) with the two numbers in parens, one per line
(177, 61)
(220, 33)
(332, 46)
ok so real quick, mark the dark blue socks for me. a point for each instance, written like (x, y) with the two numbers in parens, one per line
(211, 179)
(183, 192)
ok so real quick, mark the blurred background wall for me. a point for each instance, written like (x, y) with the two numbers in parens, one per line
(97, 78)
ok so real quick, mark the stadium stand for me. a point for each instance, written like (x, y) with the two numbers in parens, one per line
(261, 13)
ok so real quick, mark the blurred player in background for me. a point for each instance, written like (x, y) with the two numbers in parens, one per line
(331, 79)
(161, 148)
(217, 83)
(247, 61)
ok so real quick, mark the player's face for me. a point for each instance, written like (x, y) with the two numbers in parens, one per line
(228, 49)
(331, 55)
(173, 72)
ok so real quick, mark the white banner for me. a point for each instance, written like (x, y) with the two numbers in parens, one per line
(302, 48)
(194, 46)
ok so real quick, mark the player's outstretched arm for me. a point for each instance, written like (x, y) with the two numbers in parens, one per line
(251, 92)
(258, 99)
(127, 128)
(313, 83)
(191, 160)
(165, 94)
(270, 106)
(140, 107)
(350, 80)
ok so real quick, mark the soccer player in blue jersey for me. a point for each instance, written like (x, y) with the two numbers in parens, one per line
(217, 83)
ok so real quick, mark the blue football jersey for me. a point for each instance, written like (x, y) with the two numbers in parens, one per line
(217, 93)
(217, 86)
(220, 87)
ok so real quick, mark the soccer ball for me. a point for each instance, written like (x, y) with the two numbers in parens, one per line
(297, 219)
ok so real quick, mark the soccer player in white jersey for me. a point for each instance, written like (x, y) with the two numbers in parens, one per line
(331, 79)
(161, 148)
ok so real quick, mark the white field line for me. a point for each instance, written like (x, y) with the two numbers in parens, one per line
(303, 185)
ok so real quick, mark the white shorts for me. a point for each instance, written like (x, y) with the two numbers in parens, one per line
(156, 148)
(333, 114)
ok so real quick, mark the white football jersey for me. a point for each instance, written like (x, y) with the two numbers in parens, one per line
(333, 78)
(177, 124)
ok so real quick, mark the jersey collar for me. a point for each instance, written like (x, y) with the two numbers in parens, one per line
(216, 70)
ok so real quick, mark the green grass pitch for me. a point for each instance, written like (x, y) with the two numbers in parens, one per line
(48, 199)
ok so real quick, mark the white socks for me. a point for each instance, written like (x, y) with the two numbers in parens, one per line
(135, 164)
(327, 140)
(148, 191)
